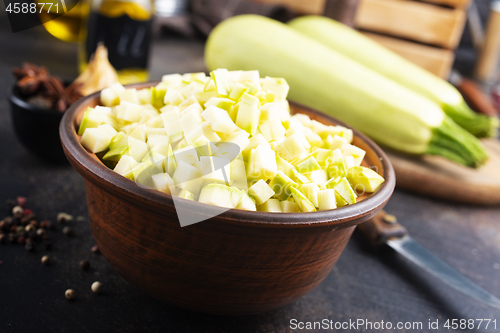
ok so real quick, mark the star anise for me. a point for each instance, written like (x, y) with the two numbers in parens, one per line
(30, 78)
(35, 83)
(62, 97)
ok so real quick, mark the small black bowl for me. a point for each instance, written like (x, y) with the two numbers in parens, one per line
(37, 128)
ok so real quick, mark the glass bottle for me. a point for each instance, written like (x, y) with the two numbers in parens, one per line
(124, 27)
(64, 27)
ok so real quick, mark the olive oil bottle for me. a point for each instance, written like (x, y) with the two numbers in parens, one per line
(64, 27)
(124, 27)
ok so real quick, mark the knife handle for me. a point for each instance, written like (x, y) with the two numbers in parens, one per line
(476, 98)
(382, 227)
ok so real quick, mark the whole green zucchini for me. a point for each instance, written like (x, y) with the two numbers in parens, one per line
(362, 49)
(330, 82)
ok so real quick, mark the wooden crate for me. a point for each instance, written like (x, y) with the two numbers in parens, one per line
(301, 6)
(421, 22)
(423, 32)
(451, 3)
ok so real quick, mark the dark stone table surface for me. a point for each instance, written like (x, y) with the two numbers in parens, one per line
(363, 285)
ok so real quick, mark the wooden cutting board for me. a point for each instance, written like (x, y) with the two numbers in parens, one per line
(437, 177)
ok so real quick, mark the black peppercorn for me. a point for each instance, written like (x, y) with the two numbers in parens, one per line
(70, 294)
(63, 217)
(96, 287)
(67, 231)
(2, 238)
(84, 264)
(45, 260)
(95, 249)
(17, 211)
(40, 232)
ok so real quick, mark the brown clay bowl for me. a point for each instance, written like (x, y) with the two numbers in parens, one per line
(239, 262)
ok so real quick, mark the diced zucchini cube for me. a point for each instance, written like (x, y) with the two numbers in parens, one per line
(139, 133)
(217, 195)
(246, 202)
(219, 120)
(115, 154)
(364, 180)
(289, 207)
(307, 165)
(185, 194)
(187, 154)
(220, 78)
(318, 177)
(280, 184)
(262, 163)
(261, 192)
(173, 97)
(222, 103)
(344, 189)
(144, 96)
(96, 139)
(305, 204)
(137, 149)
(190, 120)
(311, 191)
(284, 166)
(254, 141)
(171, 121)
(248, 117)
(239, 138)
(129, 95)
(290, 148)
(187, 177)
(326, 199)
(91, 118)
(238, 174)
(163, 182)
(357, 153)
(125, 165)
(109, 97)
(278, 86)
(128, 111)
(271, 205)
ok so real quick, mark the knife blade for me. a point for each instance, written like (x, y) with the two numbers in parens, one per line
(384, 229)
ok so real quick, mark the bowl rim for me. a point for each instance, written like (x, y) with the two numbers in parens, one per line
(95, 171)
(15, 97)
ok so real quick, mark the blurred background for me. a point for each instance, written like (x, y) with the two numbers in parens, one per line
(439, 35)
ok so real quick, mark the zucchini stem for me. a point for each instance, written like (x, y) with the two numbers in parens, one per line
(477, 124)
(453, 142)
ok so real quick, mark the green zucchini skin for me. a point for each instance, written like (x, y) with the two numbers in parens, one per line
(360, 48)
(326, 80)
